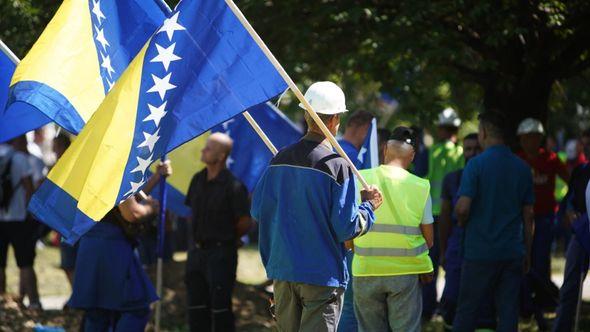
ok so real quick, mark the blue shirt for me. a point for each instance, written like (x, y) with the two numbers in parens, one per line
(450, 192)
(352, 152)
(500, 184)
(306, 207)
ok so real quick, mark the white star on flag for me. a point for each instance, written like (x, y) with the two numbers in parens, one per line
(165, 55)
(100, 38)
(170, 25)
(96, 11)
(150, 140)
(135, 186)
(225, 125)
(111, 84)
(361, 156)
(106, 64)
(229, 161)
(161, 85)
(143, 164)
(156, 113)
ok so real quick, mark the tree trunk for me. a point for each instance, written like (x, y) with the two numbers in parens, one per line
(516, 102)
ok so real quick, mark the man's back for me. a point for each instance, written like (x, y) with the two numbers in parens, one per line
(305, 203)
(499, 184)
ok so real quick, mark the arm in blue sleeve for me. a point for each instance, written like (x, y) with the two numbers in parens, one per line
(349, 219)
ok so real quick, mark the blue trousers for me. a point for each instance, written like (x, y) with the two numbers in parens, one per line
(101, 320)
(480, 278)
(576, 268)
(348, 322)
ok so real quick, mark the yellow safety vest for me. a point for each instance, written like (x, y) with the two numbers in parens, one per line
(394, 245)
(443, 158)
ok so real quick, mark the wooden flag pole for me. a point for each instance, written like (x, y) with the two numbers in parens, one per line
(294, 88)
(9, 53)
(260, 133)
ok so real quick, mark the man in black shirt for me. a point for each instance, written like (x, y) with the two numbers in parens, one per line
(220, 216)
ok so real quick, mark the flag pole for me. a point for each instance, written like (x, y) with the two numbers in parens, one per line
(294, 88)
(260, 133)
(160, 247)
(9, 53)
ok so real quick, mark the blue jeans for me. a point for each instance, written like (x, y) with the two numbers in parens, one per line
(348, 322)
(480, 278)
(576, 263)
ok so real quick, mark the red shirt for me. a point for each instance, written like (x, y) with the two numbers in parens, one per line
(545, 167)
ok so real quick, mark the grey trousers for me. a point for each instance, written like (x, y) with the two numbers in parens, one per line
(303, 307)
(391, 303)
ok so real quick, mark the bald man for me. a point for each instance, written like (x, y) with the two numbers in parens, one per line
(391, 260)
(220, 216)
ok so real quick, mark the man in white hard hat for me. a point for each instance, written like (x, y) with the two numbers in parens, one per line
(444, 157)
(306, 206)
(546, 166)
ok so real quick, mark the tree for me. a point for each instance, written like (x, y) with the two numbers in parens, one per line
(506, 55)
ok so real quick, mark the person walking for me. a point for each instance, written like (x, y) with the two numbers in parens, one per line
(444, 157)
(306, 207)
(392, 258)
(495, 207)
(546, 166)
(16, 229)
(220, 217)
(110, 284)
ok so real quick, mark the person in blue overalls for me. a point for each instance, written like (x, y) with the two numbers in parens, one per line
(576, 266)
(451, 236)
(110, 284)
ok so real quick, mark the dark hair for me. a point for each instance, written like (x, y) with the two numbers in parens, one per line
(471, 136)
(63, 140)
(359, 118)
(494, 122)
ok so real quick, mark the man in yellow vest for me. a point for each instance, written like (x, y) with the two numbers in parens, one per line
(444, 157)
(392, 258)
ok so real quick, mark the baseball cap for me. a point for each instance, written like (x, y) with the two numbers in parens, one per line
(405, 135)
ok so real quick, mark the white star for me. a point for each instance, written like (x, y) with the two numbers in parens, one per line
(111, 84)
(135, 186)
(225, 125)
(161, 85)
(361, 155)
(229, 161)
(100, 38)
(166, 55)
(106, 64)
(156, 113)
(170, 25)
(143, 164)
(96, 11)
(150, 140)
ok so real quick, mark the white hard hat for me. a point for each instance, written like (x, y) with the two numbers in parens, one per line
(530, 126)
(448, 117)
(325, 98)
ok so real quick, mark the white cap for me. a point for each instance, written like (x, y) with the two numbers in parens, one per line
(448, 117)
(325, 98)
(530, 126)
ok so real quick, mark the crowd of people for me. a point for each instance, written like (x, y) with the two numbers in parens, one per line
(345, 251)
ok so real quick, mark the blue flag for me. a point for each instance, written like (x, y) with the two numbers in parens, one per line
(250, 156)
(20, 117)
(199, 69)
(368, 156)
(80, 55)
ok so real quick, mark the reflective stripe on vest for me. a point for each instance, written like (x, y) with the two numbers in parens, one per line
(396, 229)
(392, 252)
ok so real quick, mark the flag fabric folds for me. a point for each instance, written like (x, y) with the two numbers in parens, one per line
(79, 56)
(369, 154)
(250, 156)
(199, 69)
(21, 117)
